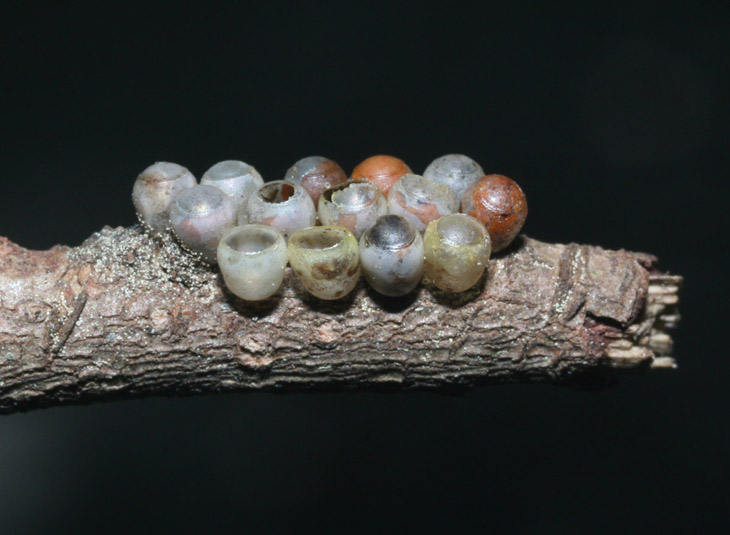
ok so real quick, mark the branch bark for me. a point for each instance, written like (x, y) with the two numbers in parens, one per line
(128, 315)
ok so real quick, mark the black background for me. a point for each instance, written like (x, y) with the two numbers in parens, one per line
(612, 120)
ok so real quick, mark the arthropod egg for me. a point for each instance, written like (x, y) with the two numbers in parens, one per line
(326, 260)
(282, 205)
(200, 216)
(500, 204)
(316, 174)
(381, 170)
(391, 255)
(235, 178)
(457, 248)
(354, 205)
(155, 189)
(456, 171)
(420, 200)
(252, 259)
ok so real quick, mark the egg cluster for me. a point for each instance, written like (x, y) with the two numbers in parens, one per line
(384, 222)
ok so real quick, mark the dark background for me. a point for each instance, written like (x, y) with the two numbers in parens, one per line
(611, 119)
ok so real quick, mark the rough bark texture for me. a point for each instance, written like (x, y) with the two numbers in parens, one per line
(126, 315)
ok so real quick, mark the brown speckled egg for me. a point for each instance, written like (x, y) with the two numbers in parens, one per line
(381, 170)
(500, 204)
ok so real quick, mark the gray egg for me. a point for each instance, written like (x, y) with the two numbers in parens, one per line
(200, 216)
(355, 205)
(283, 205)
(235, 178)
(457, 171)
(391, 255)
(154, 191)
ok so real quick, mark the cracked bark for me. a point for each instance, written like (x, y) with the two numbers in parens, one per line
(126, 315)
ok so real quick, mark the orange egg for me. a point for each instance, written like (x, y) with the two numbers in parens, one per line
(381, 170)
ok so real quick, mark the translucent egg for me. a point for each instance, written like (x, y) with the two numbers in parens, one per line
(456, 249)
(200, 216)
(316, 174)
(282, 205)
(252, 260)
(420, 200)
(235, 178)
(456, 171)
(355, 205)
(155, 189)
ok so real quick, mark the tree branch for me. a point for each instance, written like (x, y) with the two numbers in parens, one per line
(127, 315)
